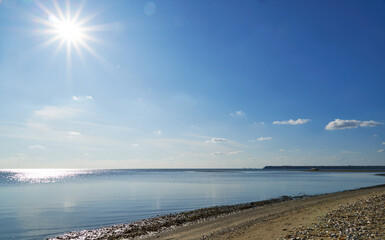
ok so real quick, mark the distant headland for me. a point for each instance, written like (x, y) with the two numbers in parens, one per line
(328, 168)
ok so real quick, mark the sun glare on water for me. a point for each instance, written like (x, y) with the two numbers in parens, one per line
(43, 175)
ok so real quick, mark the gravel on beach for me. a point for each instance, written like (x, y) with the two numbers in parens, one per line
(364, 219)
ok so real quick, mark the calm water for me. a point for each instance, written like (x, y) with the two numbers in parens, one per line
(35, 204)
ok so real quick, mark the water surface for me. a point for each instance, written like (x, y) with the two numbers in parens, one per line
(35, 204)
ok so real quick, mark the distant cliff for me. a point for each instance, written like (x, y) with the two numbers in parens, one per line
(324, 167)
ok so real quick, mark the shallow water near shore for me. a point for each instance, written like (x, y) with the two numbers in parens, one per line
(36, 204)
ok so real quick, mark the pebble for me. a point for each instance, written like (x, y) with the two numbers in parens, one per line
(364, 219)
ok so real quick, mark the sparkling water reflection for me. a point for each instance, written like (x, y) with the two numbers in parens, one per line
(42, 175)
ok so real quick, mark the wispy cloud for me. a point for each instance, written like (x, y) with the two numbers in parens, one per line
(158, 132)
(264, 139)
(383, 143)
(40, 147)
(381, 150)
(239, 113)
(74, 133)
(217, 153)
(52, 112)
(135, 145)
(345, 124)
(226, 153)
(299, 121)
(235, 152)
(217, 140)
(81, 135)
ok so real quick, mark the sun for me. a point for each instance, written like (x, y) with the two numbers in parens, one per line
(69, 31)
(65, 26)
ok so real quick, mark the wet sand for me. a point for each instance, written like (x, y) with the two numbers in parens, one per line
(272, 219)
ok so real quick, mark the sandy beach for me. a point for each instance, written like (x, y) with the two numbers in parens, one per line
(323, 216)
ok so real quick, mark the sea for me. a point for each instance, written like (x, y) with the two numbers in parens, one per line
(42, 203)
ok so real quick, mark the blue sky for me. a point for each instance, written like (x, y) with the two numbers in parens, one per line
(191, 84)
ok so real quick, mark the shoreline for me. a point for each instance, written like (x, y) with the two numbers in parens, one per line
(196, 224)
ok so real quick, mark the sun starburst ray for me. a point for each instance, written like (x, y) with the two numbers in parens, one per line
(46, 43)
(59, 11)
(97, 56)
(78, 12)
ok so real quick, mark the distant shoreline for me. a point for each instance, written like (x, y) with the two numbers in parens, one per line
(330, 168)
(341, 170)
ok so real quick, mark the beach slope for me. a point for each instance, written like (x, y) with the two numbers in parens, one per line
(293, 218)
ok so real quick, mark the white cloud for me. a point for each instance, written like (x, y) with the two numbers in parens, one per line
(383, 143)
(51, 112)
(217, 140)
(235, 152)
(344, 124)
(75, 133)
(217, 153)
(158, 132)
(40, 147)
(135, 145)
(82, 98)
(370, 123)
(381, 150)
(281, 150)
(264, 138)
(239, 113)
(299, 121)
